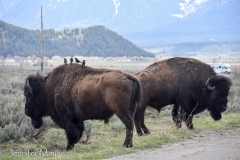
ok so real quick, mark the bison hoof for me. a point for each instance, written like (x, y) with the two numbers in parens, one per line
(146, 132)
(178, 128)
(191, 128)
(127, 145)
(69, 147)
(140, 134)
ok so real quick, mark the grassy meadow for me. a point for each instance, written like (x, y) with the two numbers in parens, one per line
(19, 140)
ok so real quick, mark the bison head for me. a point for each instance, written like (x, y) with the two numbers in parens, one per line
(216, 91)
(34, 99)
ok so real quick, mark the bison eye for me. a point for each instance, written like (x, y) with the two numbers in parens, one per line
(29, 100)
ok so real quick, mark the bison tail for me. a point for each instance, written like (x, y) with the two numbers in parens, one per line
(138, 89)
(138, 93)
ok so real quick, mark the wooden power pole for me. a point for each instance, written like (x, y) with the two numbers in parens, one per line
(42, 43)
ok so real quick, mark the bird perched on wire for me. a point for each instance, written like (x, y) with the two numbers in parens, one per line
(65, 60)
(77, 61)
(71, 60)
(83, 63)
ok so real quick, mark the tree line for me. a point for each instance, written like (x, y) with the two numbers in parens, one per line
(91, 41)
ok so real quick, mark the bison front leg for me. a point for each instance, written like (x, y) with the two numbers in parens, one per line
(189, 123)
(176, 116)
(186, 109)
(73, 134)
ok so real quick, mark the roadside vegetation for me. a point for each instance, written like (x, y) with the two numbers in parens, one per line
(19, 140)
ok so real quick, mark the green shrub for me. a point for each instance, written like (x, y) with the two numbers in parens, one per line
(233, 105)
(114, 118)
(6, 91)
(87, 132)
(16, 82)
(118, 127)
(55, 139)
(234, 95)
(12, 132)
(15, 126)
(167, 111)
(4, 99)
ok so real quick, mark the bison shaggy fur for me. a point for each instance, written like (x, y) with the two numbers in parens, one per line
(71, 94)
(189, 84)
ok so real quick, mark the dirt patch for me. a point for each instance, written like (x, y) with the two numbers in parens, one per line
(207, 145)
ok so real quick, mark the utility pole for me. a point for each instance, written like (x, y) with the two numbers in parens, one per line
(42, 43)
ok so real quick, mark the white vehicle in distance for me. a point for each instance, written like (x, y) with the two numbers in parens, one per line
(221, 67)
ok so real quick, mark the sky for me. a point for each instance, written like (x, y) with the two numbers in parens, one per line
(127, 18)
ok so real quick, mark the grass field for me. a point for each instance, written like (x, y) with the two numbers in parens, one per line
(101, 141)
(105, 142)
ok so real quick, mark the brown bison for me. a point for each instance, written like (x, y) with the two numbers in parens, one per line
(71, 94)
(191, 85)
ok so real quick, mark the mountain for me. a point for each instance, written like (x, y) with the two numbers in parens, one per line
(90, 41)
(199, 49)
(146, 23)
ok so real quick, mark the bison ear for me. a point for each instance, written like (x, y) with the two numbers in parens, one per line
(210, 83)
(29, 88)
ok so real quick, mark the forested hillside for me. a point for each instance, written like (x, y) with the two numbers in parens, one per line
(91, 41)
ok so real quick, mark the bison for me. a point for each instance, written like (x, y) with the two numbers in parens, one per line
(189, 84)
(70, 94)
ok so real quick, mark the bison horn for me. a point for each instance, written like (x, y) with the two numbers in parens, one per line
(29, 88)
(208, 86)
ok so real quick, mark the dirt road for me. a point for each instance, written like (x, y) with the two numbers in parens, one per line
(207, 145)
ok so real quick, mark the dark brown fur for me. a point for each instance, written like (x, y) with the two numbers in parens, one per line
(182, 82)
(71, 94)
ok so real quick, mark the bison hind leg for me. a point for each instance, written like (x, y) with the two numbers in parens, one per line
(144, 128)
(129, 123)
(73, 133)
(138, 121)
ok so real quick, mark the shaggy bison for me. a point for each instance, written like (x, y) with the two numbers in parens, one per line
(191, 85)
(71, 94)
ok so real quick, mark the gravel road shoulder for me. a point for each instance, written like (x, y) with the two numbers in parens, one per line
(207, 145)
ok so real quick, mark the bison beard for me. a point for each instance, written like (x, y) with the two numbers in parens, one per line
(189, 84)
(71, 94)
